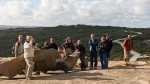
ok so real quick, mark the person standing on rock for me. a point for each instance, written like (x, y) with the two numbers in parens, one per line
(52, 44)
(109, 46)
(93, 51)
(28, 56)
(81, 49)
(103, 53)
(18, 47)
(128, 46)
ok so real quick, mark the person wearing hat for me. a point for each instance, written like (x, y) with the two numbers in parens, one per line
(128, 46)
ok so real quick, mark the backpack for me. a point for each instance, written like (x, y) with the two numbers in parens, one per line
(13, 48)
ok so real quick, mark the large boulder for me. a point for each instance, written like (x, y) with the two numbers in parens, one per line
(13, 67)
(45, 60)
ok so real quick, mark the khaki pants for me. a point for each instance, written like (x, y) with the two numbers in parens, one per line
(29, 67)
(127, 55)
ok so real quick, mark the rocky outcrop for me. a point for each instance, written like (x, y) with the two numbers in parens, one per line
(45, 60)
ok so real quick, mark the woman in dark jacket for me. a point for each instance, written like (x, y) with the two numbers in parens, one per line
(81, 49)
(52, 44)
(68, 46)
(103, 53)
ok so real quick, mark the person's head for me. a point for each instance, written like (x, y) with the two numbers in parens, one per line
(46, 44)
(129, 37)
(92, 36)
(79, 42)
(103, 39)
(51, 40)
(29, 38)
(20, 38)
(106, 36)
(68, 40)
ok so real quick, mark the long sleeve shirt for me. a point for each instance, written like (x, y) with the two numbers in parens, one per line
(28, 49)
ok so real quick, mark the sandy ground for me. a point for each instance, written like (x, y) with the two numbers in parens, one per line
(137, 73)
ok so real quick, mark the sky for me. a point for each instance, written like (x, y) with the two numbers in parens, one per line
(125, 13)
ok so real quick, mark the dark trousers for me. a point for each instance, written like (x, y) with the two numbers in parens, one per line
(103, 59)
(93, 58)
(82, 58)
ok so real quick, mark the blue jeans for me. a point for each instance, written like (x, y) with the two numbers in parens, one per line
(93, 58)
(103, 59)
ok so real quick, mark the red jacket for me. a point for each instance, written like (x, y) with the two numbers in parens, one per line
(128, 44)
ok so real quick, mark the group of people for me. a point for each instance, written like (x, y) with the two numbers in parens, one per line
(102, 47)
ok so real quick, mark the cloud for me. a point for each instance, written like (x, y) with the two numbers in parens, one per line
(130, 13)
(16, 12)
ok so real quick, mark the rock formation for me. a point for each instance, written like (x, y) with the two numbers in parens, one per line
(45, 60)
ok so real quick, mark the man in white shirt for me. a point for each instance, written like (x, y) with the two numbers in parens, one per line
(28, 56)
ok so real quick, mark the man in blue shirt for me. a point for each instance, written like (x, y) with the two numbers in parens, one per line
(93, 51)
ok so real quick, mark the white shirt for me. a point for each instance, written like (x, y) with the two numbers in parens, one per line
(28, 50)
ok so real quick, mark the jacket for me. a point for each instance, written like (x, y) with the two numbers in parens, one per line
(128, 44)
(93, 45)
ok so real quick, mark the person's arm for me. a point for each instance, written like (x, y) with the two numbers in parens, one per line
(56, 46)
(84, 51)
(90, 43)
(16, 50)
(111, 43)
(96, 42)
(73, 48)
(124, 43)
(64, 45)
